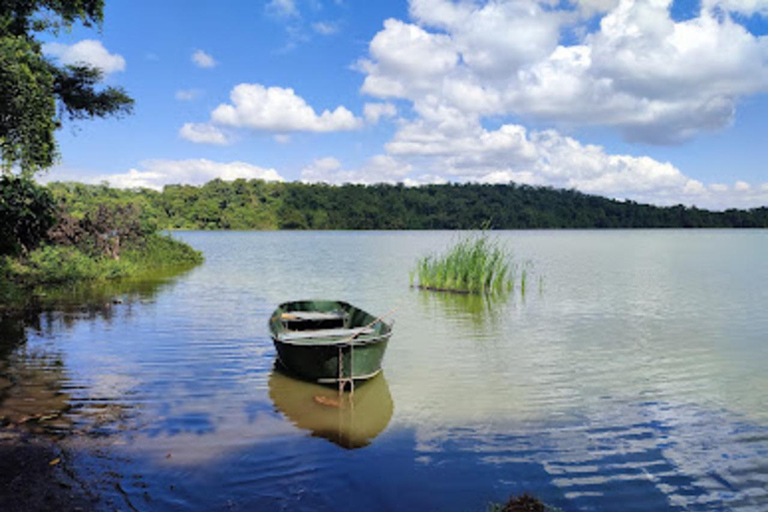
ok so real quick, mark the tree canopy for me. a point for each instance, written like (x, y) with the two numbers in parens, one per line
(255, 204)
(35, 92)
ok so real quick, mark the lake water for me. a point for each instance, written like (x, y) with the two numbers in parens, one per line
(633, 375)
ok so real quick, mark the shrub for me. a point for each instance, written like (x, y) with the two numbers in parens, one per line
(160, 251)
(26, 213)
(60, 264)
(103, 230)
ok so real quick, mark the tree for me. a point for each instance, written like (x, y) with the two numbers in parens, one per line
(35, 92)
(26, 212)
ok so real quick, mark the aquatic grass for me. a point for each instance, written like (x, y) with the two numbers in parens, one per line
(476, 263)
(526, 267)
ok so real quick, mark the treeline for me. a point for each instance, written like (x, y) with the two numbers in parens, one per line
(255, 204)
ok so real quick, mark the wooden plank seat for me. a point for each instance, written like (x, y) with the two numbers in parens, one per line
(324, 333)
(312, 316)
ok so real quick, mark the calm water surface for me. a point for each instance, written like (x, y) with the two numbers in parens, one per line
(632, 376)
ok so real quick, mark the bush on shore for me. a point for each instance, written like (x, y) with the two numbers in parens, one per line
(44, 243)
(51, 264)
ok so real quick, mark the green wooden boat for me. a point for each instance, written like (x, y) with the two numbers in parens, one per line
(329, 341)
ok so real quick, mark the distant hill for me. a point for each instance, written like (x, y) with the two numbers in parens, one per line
(255, 204)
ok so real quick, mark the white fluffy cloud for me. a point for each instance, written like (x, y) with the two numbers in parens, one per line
(202, 133)
(406, 59)
(203, 60)
(374, 112)
(655, 79)
(87, 51)
(279, 110)
(378, 169)
(157, 173)
(448, 143)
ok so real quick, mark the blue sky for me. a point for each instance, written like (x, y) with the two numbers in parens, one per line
(651, 100)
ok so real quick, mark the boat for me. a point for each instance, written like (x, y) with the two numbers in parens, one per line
(329, 341)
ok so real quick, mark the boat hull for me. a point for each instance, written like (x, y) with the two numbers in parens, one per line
(342, 343)
(320, 363)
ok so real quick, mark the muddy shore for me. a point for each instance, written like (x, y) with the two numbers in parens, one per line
(35, 477)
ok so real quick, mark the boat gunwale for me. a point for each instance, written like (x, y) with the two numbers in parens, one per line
(358, 340)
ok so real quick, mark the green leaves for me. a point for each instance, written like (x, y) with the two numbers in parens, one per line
(21, 17)
(75, 86)
(26, 213)
(27, 107)
(34, 91)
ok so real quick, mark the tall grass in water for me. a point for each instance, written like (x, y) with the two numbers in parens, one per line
(475, 264)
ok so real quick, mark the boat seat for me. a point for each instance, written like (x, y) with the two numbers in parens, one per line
(312, 316)
(324, 333)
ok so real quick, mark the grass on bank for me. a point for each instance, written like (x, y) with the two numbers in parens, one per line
(476, 263)
(57, 264)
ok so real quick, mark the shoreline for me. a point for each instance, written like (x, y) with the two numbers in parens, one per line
(35, 476)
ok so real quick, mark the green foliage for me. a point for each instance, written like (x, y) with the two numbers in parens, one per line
(96, 233)
(104, 230)
(51, 264)
(255, 204)
(26, 213)
(163, 251)
(27, 106)
(476, 263)
(20, 17)
(75, 87)
(59, 264)
(32, 86)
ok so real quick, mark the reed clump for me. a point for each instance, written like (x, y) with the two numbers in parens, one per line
(476, 263)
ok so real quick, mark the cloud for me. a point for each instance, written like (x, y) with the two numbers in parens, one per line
(378, 169)
(282, 138)
(406, 61)
(282, 8)
(279, 110)
(451, 145)
(654, 79)
(201, 133)
(325, 28)
(741, 186)
(89, 52)
(745, 7)
(157, 173)
(203, 60)
(188, 94)
(373, 112)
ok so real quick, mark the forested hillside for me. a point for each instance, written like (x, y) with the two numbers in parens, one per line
(256, 204)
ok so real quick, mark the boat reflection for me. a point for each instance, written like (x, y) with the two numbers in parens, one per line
(348, 420)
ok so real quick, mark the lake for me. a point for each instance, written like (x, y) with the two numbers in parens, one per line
(632, 375)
